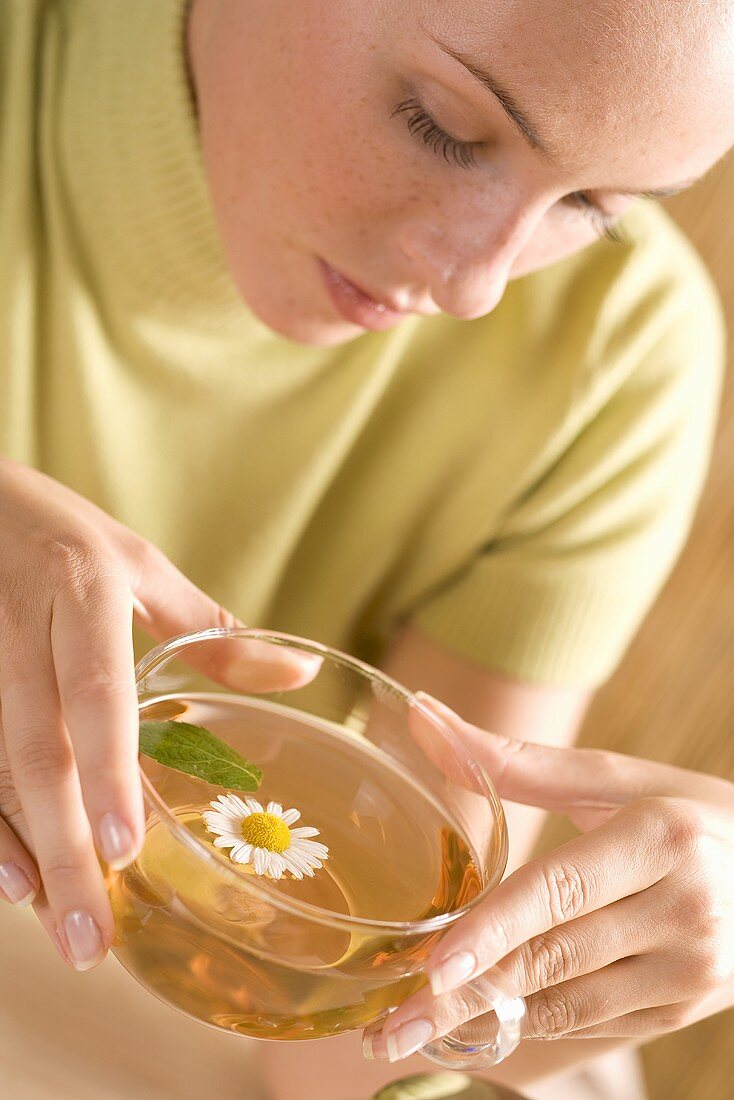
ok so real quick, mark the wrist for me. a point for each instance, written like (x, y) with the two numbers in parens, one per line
(534, 1061)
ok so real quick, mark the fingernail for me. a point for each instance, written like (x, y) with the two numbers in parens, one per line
(116, 842)
(84, 938)
(373, 1046)
(424, 697)
(61, 947)
(310, 662)
(15, 884)
(408, 1038)
(452, 972)
(306, 667)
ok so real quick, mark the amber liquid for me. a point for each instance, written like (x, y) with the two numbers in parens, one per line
(202, 934)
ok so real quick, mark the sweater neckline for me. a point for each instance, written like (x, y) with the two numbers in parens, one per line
(135, 168)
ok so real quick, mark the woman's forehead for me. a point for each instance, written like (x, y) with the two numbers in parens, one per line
(596, 44)
(595, 25)
(653, 76)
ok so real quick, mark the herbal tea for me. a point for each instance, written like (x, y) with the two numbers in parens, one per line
(203, 932)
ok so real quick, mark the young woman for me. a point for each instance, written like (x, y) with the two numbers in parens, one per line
(306, 317)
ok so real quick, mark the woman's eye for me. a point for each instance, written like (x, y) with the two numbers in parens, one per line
(604, 224)
(422, 126)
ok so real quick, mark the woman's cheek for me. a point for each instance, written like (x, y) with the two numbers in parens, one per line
(552, 241)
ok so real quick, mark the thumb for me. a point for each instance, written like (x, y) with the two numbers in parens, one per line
(166, 604)
(588, 785)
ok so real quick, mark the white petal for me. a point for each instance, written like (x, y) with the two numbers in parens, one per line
(220, 823)
(304, 830)
(218, 803)
(269, 863)
(309, 858)
(277, 865)
(315, 863)
(261, 860)
(310, 853)
(291, 816)
(274, 808)
(305, 842)
(218, 815)
(227, 841)
(237, 806)
(297, 859)
(310, 847)
(292, 866)
(241, 854)
(253, 806)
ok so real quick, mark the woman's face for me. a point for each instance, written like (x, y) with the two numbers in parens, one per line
(371, 159)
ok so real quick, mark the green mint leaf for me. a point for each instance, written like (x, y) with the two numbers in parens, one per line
(198, 752)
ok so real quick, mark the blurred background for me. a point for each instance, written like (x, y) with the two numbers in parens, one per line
(673, 698)
(99, 1036)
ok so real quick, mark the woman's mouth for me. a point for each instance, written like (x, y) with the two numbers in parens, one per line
(354, 304)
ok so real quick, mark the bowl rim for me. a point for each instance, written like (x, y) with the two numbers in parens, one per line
(167, 650)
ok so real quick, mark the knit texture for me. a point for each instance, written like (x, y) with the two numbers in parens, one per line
(518, 486)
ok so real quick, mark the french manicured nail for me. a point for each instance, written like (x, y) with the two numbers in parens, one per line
(61, 947)
(15, 884)
(310, 662)
(373, 1045)
(431, 702)
(453, 972)
(116, 842)
(84, 938)
(408, 1038)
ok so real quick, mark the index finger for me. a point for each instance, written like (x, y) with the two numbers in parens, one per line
(91, 639)
(625, 855)
(567, 780)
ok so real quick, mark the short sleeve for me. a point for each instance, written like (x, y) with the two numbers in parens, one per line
(557, 595)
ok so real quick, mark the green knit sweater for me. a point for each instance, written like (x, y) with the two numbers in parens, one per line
(519, 485)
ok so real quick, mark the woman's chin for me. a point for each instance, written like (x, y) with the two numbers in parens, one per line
(305, 327)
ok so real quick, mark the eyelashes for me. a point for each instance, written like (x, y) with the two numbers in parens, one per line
(463, 154)
(422, 126)
(604, 224)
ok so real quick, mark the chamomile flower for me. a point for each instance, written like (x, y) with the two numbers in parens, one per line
(264, 838)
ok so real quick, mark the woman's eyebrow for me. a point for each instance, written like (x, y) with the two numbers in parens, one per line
(506, 100)
(529, 132)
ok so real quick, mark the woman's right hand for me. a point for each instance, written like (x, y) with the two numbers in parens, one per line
(72, 579)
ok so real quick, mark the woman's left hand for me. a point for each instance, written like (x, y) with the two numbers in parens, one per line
(627, 930)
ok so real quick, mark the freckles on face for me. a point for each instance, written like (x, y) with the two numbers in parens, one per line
(306, 159)
(305, 162)
(287, 125)
(294, 166)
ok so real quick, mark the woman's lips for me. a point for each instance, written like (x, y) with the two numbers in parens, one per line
(356, 306)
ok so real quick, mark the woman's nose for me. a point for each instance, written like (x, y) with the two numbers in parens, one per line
(465, 265)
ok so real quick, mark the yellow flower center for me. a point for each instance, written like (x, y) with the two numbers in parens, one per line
(266, 831)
